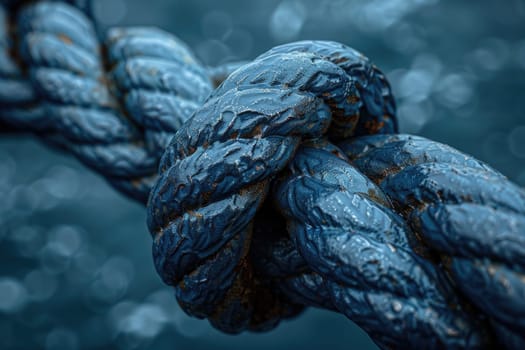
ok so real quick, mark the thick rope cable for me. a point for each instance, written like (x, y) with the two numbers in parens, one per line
(256, 213)
(468, 213)
(218, 168)
(344, 227)
(113, 105)
(256, 120)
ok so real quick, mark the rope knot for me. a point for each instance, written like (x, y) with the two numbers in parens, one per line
(217, 171)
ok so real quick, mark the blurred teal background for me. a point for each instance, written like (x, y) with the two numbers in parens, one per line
(75, 256)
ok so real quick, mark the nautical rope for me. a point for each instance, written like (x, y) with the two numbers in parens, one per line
(285, 186)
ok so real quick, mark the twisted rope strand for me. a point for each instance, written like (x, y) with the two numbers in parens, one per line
(464, 210)
(113, 106)
(343, 226)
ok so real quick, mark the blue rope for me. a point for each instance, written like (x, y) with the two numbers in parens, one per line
(218, 167)
(465, 211)
(114, 106)
(344, 227)
(284, 187)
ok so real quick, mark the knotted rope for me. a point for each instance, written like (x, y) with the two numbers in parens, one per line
(218, 167)
(271, 196)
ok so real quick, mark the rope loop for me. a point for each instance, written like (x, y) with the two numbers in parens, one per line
(217, 171)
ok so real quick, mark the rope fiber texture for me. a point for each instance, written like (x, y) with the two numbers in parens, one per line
(113, 105)
(284, 187)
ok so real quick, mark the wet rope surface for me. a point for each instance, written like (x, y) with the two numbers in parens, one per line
(286, 186)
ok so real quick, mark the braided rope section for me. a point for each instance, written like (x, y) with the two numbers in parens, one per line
(217, 170)
(469, 214)
(113, 105)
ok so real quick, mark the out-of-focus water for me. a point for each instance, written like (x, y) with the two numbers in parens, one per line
(75, 257)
